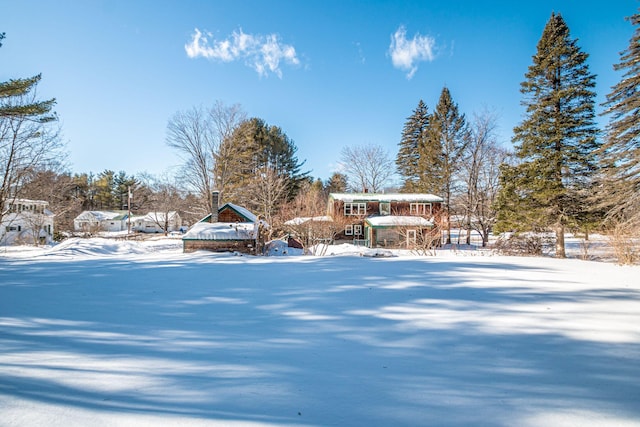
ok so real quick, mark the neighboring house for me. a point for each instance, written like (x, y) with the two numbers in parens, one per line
(156, 222)
(233, 229)
(27, 221)
(385, 220)
(93, 221)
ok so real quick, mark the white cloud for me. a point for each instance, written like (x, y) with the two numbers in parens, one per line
(405, 54)
(262, 53)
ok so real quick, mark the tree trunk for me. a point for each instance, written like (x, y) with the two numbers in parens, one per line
(469, 233)
(560, 253)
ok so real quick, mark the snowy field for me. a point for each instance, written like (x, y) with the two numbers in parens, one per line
(111, 333)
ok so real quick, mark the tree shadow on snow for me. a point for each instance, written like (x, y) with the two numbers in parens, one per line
(315, 341)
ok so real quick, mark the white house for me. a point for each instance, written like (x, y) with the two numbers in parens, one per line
(92, 221)
(156, 222)
(27, 221)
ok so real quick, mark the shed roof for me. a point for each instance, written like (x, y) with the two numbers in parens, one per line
(243, 212)
(221, 231)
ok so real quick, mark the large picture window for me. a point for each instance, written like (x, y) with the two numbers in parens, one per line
(420, 209)
(355, 209)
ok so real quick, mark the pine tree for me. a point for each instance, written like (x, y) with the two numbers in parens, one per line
(446, 139)
(408, 157)
(621, 159)
(256, 151)
(13, 90)
(337, 183)
(29, 136)
(11, 104)
(556, 142)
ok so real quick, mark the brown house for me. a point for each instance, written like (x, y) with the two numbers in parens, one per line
(233, 229)
(386, 220)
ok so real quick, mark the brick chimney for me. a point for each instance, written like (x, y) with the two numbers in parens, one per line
(215, 201)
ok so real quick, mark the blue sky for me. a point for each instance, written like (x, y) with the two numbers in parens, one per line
(336, 73)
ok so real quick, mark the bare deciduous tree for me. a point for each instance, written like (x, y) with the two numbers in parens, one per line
(165, 197)
(57, 188)
(421, 241)
(305, 218)
(27, 143)
(480, 173)
(368, 167)
(197, 134)
(268, 189)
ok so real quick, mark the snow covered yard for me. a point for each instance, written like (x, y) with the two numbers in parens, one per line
(109, 333)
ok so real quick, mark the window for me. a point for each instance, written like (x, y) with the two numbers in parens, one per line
(411, 238)
(353, 230)
(420, 209)
(355, 208)
(385, 208)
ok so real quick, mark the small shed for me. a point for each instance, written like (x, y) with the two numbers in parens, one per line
(236, 230)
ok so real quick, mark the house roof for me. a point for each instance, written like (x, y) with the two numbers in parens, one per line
(29, 201)
(398, 221)
(157, 216)
(302, 220)
(391, 197)
(243, 212)
(101, 216)
(221, 231)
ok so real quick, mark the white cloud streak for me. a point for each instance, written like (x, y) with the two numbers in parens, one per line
(405, 54)
(262, 53)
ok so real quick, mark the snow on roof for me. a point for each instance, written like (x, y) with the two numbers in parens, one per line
(157, 216)
(100, 215)
(29, 201)
(221, 231)
(398, 221)
(302, 220)
(391, 197)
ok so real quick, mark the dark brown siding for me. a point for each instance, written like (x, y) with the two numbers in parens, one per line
(229, 215)
(243, 246)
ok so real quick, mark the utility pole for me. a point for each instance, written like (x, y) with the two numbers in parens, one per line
(129, 210)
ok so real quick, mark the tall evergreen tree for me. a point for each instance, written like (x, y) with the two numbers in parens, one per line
(14, 90)
(256, 151)
(621, 159)
(408, 157)
(556, 142)
(445, 143)
(337, 183)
